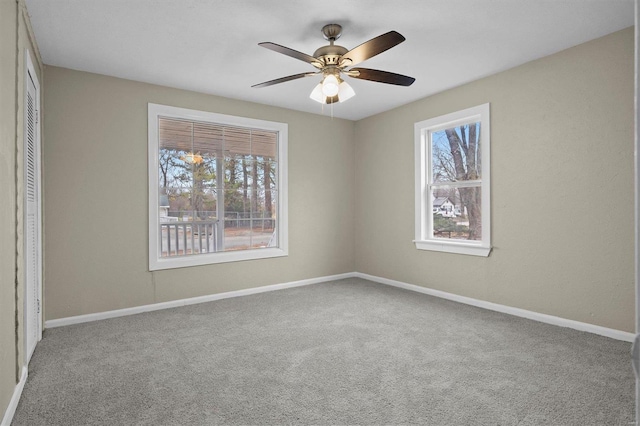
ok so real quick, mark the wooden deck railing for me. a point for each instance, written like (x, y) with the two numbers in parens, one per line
(185, 238)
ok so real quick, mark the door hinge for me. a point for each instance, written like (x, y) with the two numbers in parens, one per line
(37, 117)
(38, 305)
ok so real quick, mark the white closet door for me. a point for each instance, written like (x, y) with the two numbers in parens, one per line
(33, 252)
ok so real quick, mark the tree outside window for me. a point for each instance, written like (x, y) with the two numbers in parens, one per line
(456, 158)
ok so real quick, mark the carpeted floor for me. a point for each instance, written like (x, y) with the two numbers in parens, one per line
(344, 352)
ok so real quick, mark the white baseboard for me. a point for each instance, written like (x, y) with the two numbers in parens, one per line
(536, 316)
(13, 404)
(191, 301)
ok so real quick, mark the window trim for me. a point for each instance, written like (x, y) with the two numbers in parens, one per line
(423, 203)
(156, 262)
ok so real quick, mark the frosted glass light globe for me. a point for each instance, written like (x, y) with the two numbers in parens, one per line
(330, 86)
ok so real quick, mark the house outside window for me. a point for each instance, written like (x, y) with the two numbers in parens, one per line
(452, 155)
(217, 188)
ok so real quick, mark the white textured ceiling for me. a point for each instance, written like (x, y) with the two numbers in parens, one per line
(211, 46)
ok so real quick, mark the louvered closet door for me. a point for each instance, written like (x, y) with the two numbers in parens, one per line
(32, 232)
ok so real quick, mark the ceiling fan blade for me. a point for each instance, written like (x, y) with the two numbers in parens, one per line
(381, 76)
(293, 53)
(283, 79)
(371, 48)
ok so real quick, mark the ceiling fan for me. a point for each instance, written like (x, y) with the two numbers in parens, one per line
(333, 60)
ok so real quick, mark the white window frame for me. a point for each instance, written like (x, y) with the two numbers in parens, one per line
(424, 239)
(156, 262)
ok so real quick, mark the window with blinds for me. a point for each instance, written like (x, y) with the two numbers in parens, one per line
(218, 190)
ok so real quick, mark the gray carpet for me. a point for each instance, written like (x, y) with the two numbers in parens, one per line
(344, 352)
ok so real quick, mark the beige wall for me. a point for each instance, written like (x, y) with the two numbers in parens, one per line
(14, 39)
(562, 188)
(8, 366)
(95, 186)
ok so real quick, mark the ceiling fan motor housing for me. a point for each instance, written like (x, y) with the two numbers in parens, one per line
(331, 54)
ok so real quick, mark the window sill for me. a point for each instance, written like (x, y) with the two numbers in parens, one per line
(214, 258)
(453, 247)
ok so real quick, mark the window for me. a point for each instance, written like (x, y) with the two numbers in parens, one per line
(452, 183)
(217, 188)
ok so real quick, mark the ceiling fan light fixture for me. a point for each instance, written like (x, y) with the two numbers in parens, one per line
(330, 86)
(345, 92)
(317, 95)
